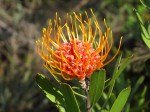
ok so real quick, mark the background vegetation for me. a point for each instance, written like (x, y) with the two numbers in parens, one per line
(21, 23)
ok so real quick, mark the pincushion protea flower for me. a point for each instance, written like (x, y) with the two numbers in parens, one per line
(77, 48)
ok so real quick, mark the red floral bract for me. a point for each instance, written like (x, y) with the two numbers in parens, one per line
(77, 59)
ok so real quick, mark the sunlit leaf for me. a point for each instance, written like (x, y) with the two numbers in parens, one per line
(121, 100)
(147, 42)
(138, 16)
(51, 91)
(145, 33)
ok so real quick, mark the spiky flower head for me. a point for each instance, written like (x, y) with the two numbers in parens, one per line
(76, 48)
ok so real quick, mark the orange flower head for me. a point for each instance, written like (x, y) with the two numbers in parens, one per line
(77, 48)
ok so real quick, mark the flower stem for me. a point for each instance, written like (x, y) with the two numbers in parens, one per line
(88, 104)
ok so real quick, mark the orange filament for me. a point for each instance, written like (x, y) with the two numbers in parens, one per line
(68, 49)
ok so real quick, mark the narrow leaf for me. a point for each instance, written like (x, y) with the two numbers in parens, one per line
(121, 100)
(117, 71)
(112, 83)
(117, 64)
(97, 83)
(136, 86)
(144, 31)
(122, 67)
(109, 94)
(147, 41)
(138, 16)
(145, 34)
(144, 4)
(70, 100)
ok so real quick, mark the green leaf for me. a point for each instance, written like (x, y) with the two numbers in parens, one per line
(144, 31)
(109, 94)
(148, 29)
(144, 4)
(97, 83)
(145, 34)
(117, 64)
(121, 100)
(113, 82)
(127, 109)
(70, 100)
(117, 71)
(136, 86)
(104, 111)
(143, 94)
(112, 98)
(51, 91)
(147, 42)
(138, 16)
(122, 67)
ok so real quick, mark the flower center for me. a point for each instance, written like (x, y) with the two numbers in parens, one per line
(77, 59)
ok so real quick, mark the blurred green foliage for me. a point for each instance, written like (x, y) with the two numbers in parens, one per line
(145, 31)
(21, 23)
